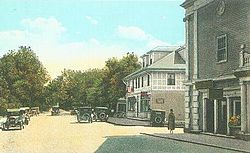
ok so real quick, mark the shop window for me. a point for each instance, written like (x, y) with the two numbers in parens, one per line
(237, 108)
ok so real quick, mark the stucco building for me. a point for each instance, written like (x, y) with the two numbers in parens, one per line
(158, 84)
(218, 74)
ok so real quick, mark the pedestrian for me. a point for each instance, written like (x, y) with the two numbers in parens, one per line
(171, 121)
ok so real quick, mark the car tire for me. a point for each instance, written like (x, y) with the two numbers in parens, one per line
(21, 126)
(158, 119)
(3, 128)
(102, 116)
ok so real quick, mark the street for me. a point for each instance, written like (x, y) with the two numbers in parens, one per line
(61, 134)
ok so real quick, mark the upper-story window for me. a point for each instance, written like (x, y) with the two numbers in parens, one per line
(148, 80)
(141, 81)
(138, 82)
(222, 48)
(171, 79)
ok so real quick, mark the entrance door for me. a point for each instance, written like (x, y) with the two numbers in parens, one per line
(210, 115)
(222, 117)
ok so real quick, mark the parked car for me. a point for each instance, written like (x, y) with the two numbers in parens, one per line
(84, 114)
(25, 112)
(55, 110)
(157, 117)
(14, 119)
(35, 111)
(101, 113)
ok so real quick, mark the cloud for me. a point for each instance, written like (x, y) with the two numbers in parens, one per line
(137, 34)
(91, 20)
(131, 32)
(44, 36)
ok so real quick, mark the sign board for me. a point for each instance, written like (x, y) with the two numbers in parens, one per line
(215, 93)
(204, 84)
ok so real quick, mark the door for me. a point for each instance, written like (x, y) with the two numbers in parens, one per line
(222, 117)
(210, 115)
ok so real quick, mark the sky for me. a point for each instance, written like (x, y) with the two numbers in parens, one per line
(83, 34)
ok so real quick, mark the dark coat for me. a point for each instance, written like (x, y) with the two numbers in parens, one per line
(171, 121)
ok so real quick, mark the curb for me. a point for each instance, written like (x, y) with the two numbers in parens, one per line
(123, 124)
(199, 143)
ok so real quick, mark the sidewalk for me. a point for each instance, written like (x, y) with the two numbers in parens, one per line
(207, 140)
(127, 122)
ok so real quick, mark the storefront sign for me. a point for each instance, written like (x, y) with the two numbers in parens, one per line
(159, 100)
(215, 93)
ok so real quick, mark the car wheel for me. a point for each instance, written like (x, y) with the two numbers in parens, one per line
(3, 128)
(102, 116)
(21, 125)
(158, 119)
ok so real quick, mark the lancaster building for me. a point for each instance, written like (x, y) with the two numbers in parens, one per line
(158, 84)
(217, 99)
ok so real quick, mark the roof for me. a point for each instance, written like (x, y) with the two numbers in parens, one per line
(161, 49)
(173, 61)
(13, 110)
(24, 108)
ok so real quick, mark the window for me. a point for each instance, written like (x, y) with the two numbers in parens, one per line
(236, 107)
(222, 48)
(135, 83)
(171, 79)
(143, 63)
(141, 81)
(148, 80)
(138, 82)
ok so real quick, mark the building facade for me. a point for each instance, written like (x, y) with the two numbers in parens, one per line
(158, 84)
(218, 74)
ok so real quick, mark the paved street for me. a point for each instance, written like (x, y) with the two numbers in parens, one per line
(147, 144)
(61, 134)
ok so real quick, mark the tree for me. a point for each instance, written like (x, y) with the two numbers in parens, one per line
(23, 77)
(115, 71)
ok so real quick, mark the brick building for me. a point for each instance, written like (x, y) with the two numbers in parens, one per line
(218, 74)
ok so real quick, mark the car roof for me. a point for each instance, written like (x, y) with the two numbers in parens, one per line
(24, 108)
(102, 107)
(13, 110)
(84, 107)
(160, 110)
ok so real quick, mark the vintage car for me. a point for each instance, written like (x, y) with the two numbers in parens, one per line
(101, 113)
(55, 110)
(34, 111)
(14, 119)
(157, 117)
(84, 114)
(25, 112)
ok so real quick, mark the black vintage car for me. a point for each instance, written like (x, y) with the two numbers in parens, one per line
(101, 113)
(55, 110)
(14, 119)
(157, 117)
(84, 114)
(25, 112)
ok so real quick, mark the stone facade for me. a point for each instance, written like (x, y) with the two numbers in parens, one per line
(218, 74)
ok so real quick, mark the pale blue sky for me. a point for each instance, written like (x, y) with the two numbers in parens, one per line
(78, 34)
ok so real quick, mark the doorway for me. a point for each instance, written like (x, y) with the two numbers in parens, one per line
(210, 115)
(222, 117)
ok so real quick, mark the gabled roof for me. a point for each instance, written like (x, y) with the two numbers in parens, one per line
(173, 61)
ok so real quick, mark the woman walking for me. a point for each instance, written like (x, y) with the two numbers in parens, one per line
(171, 121)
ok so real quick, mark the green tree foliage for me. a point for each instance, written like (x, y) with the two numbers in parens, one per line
(22, 78)
(115, 71)
(94, 87)
(74, 88)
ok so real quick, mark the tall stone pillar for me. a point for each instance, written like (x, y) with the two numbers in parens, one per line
(195, 111)
(228, 114)
(243, 107)
(187, 107)
(215, 116)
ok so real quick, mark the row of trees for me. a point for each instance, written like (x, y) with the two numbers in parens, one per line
(24, 82)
